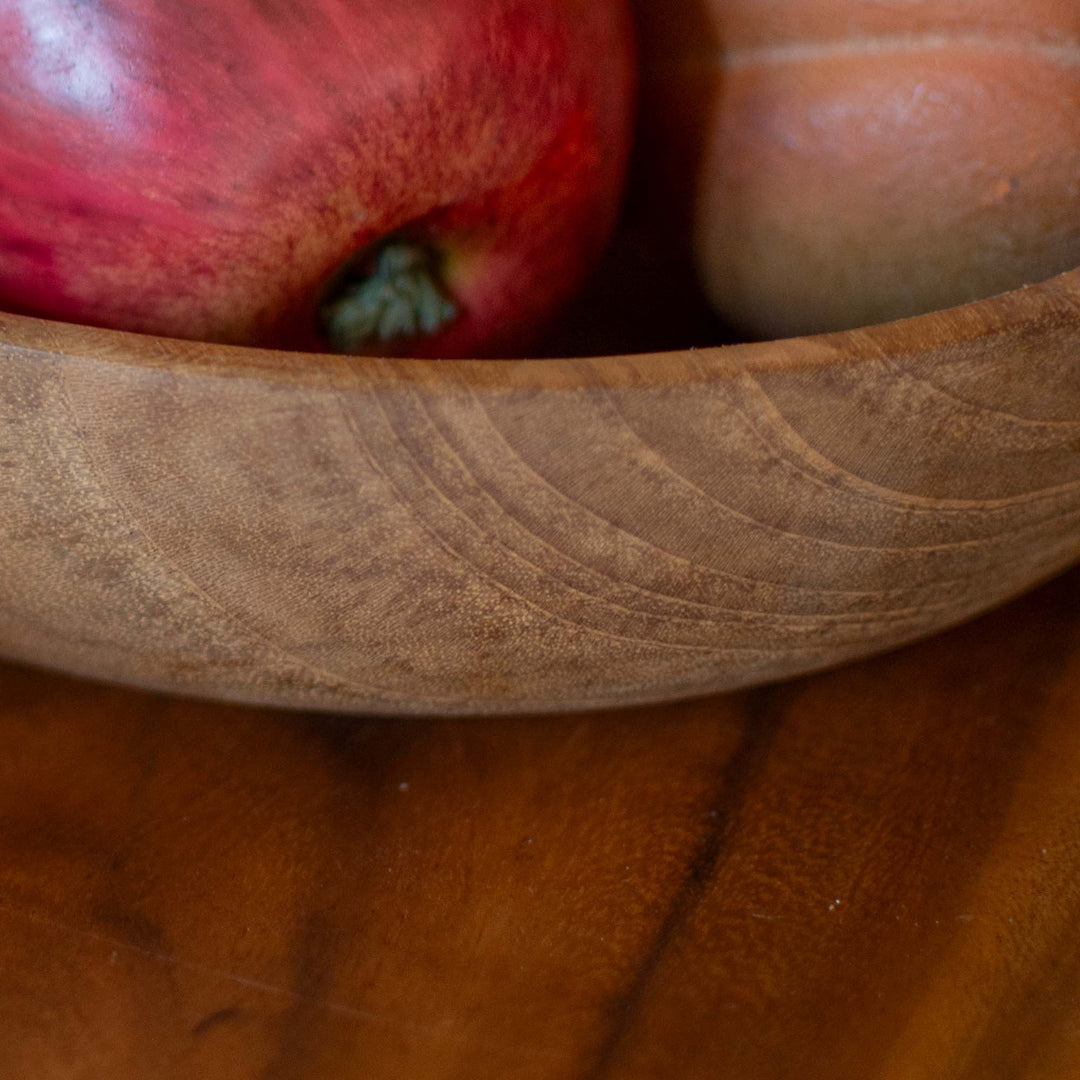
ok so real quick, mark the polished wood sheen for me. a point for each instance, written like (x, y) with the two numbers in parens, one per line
(868, 874)
(460, 537)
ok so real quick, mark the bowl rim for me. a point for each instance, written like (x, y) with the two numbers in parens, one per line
(1056, 299)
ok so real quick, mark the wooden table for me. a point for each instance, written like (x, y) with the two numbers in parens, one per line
(871, 873)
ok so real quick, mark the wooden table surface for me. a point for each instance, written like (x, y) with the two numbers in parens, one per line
(871, 873)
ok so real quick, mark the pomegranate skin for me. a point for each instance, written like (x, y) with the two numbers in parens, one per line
(848, 163)
(206, 168)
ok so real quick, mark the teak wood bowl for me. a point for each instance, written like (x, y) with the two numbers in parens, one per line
(486, 536)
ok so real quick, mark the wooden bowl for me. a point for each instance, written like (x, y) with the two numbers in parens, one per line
(465, 537)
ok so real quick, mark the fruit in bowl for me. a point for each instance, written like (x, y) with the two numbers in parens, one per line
(850, 163)
(430, 177)
(420, 537)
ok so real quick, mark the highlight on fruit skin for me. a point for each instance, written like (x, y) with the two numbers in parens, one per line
(846, 164)
(209, 169)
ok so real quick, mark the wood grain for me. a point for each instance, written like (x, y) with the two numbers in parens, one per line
(869, 874)
(435, 538)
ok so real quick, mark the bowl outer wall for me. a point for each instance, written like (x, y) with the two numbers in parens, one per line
(422, 537)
